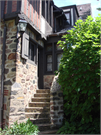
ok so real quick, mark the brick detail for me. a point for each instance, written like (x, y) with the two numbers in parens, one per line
(5, 107)
(25, 5)
(14, 6)
(5, 7)
(5, 92)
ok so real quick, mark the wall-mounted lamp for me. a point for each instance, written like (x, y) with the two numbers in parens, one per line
(22, 24)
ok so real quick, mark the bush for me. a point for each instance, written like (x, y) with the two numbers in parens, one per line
(79, 77)
(23, 128)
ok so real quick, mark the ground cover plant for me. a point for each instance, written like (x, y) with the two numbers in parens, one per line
(21, 129)
(79, 77)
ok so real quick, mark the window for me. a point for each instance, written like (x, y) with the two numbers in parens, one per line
(49, 62)
(59, 56)
(29, 49)
(58, 53)
(49, 58)
(68, 17)
(53, 55)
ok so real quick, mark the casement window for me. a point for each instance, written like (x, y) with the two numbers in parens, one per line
(53, 55)
(68, 17)
(59, 56)
(58, 53)
(31, 51)
(49, 62)
(28, 49)
(49, 59)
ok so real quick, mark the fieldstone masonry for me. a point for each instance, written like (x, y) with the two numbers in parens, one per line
(17, 108)
(10, 64)
(18, 72)
(56, 103)
(48, 79)
(56, 99)
(20, 80)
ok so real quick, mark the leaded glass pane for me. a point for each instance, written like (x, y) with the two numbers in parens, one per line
(68, 21)
(58, 65)
(67, 15)
(59, 56)
(49, 67)
(49, 58)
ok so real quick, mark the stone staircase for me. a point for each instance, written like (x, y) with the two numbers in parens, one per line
(39, 112)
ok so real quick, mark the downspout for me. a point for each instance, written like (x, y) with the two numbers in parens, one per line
(55, 20)
(2, 68)
(2, 77)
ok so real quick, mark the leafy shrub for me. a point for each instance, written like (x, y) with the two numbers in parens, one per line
(79, 77)
(23, 128)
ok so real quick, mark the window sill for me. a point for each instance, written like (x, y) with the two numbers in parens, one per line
(31, 62)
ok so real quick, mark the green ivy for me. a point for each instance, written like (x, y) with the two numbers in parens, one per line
(21, 129)
(79, 77)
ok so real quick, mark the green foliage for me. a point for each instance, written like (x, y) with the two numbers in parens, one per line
(23, 128)
(79, 77)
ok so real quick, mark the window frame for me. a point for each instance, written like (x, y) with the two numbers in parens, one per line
(26, 41)
(46, 54)
(54, 54)
(30, 60)
(69, 16)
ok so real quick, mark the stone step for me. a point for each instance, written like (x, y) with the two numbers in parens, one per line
(45, 127)
(40, 120)
(37, 109)
(37, 115)
(41, 99)
(41, 95)
(40, 104)
(48, 132)
(43, 91)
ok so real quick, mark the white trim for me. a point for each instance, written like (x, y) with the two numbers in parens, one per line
(65, 10)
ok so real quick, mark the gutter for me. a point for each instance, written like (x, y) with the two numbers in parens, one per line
(2, 77)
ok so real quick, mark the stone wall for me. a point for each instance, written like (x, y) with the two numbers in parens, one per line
(56, 99)
(26, 83)
(17, 108)
(10, 63)
(26, 73)
(20, 80)
(56, 103)
(48, 79)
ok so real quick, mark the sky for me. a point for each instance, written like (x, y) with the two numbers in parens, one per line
(94, 4)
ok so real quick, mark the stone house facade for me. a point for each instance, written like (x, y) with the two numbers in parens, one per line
(28, 62)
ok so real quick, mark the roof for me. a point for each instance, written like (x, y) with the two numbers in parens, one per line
(84, 10)
(61, 32)
(70, 6)
(57, 9)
